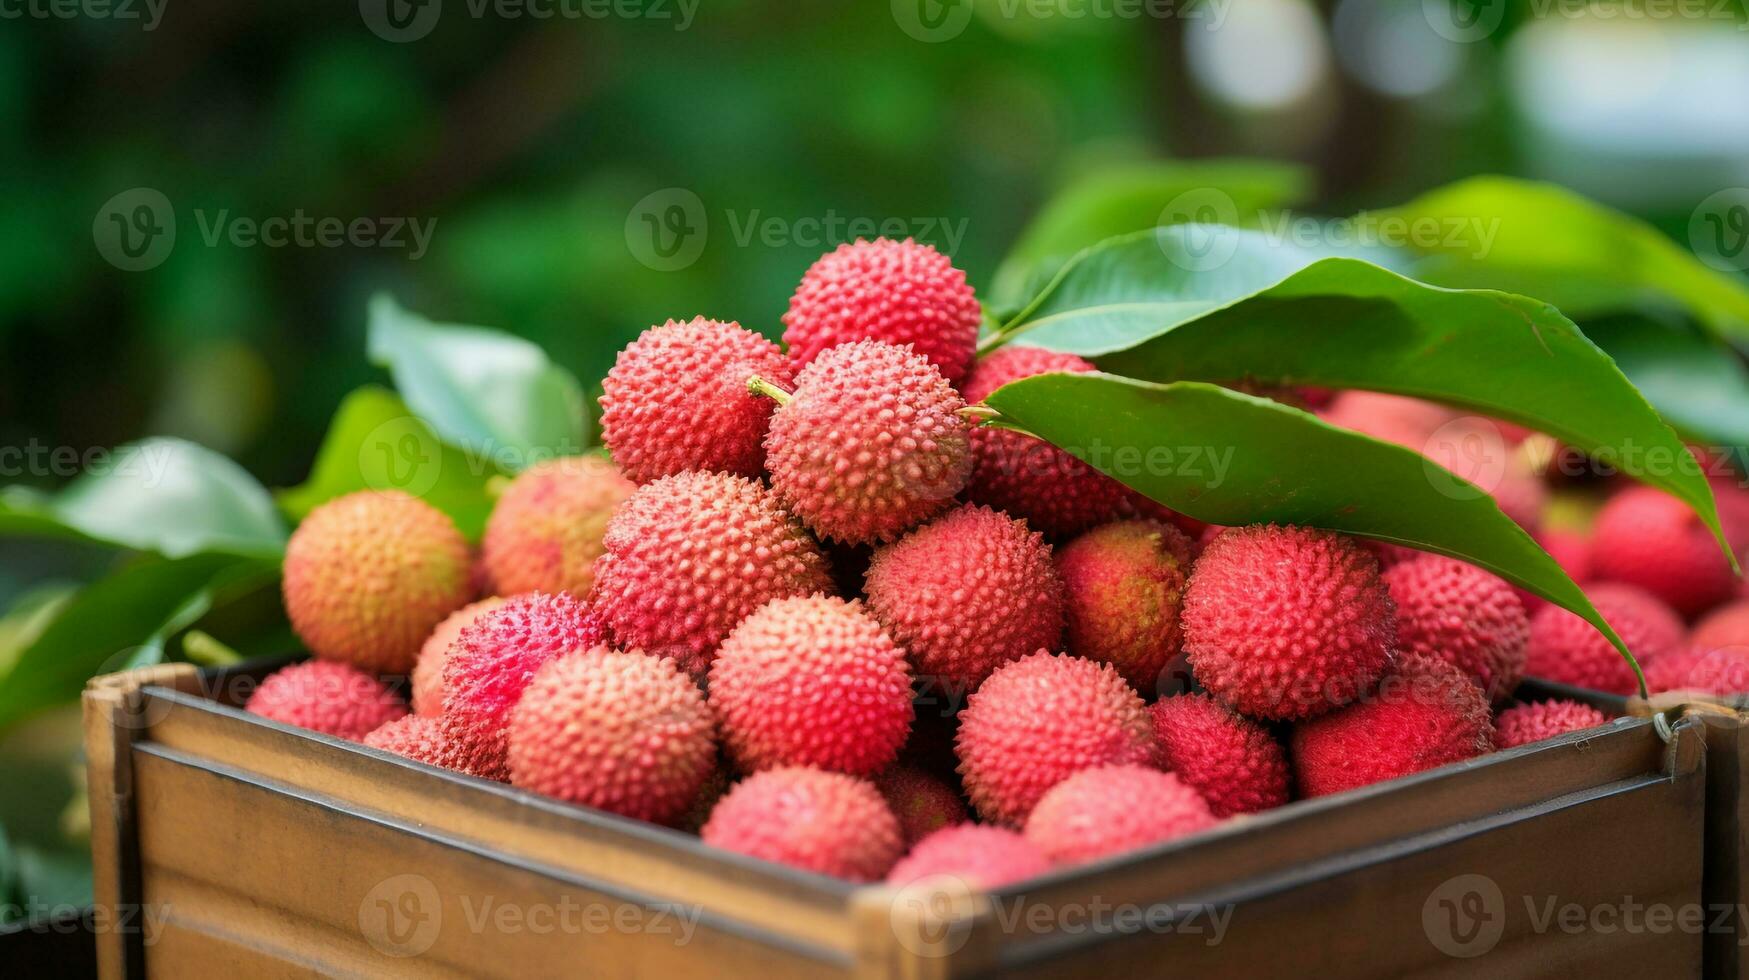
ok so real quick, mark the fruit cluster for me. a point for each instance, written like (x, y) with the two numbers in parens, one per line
(815, 614)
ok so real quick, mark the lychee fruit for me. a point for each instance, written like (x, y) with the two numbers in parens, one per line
(1111, 809)
(327, 697)
(1234, 762)
(923, 803)
(1568, 650)
(691, 555)
(1123, 586)
(1025, 476)
(369, 575)
(677, 400)
(1284, 623)
(545, 532)
(621, 732)
(981, 856)
(965, 594)
(869, 444)
(1527, 723)
(1647, 538)
(1721, 671)
(1571, 550)
(491, 664)
(1040, 720)
(1408, 422)
(895, 292)
(812, 681)
(416, 737)
(428, 669)
(1425, 714)
(825, 822)
(1461, 614)
(1726, 626)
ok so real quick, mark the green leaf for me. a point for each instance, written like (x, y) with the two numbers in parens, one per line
(162, 495)
(1230, 458)
(1699, 385)
(375, 443)
(25, 620)
(120, 622)
(492, 394)
(53, 880)
(1545, 241)
(8, 878)
(1119, 200)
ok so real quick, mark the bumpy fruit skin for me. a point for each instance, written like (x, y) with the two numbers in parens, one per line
(1568, 650)
(1461, 614)
(1111, 809)
(1055, 491)
(1408, 422)
(677, 400)
(981, 856)
(1286, 623)
(1425, 714)
(1527, 723)
(812, 681)
(428, 669)
(326, 697)
(690, 556)
(1571, 550)
(415, 736)
(545, 532)
(1123, 586)
(895, 292)
(1726, 626)
(1647, 538)
(1040, 720)
(923, 803)
(870, 444)
(621, 732)
(369, 575)
(826, 822)
(490, 665)
(1234, 762)
(1721, 671)
(966, 594)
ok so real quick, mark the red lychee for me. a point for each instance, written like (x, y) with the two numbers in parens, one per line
(923, 803)
(1408, 422)
(369, 575)
(1568, 650)
(895, 292)
(965, 594)
(1041, 719)
(1111, 809)
(1527, 723)
(621, 732)
(1726, 626)
(677, 400)
(428, 669)
(1461, 614)
(1056, 492)
(1425, 714)
(826, 822)
(1287, 622)
(689, 556)
(1123, 586)
(1647, 538)
(1720, 672)
(545, 531)
(327, 697)
(1234, 762)
(812, 681)
(491, 664)
(981, 856)
(417, 737)
(870, 443)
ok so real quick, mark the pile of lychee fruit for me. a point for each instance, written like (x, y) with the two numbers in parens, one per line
(816, 611)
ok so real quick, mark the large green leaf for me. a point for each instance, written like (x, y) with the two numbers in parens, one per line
(27, 617)
(492, 394)
(1698, 384)
(1545, 241)
(1119, 200)
(163, 495)
(375, 443)
(1230, 458)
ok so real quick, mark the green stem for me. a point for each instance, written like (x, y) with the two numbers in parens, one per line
(760, 386)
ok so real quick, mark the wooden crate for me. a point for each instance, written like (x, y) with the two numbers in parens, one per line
(262, 850)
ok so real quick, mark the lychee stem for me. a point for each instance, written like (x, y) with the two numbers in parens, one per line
(767, 389)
